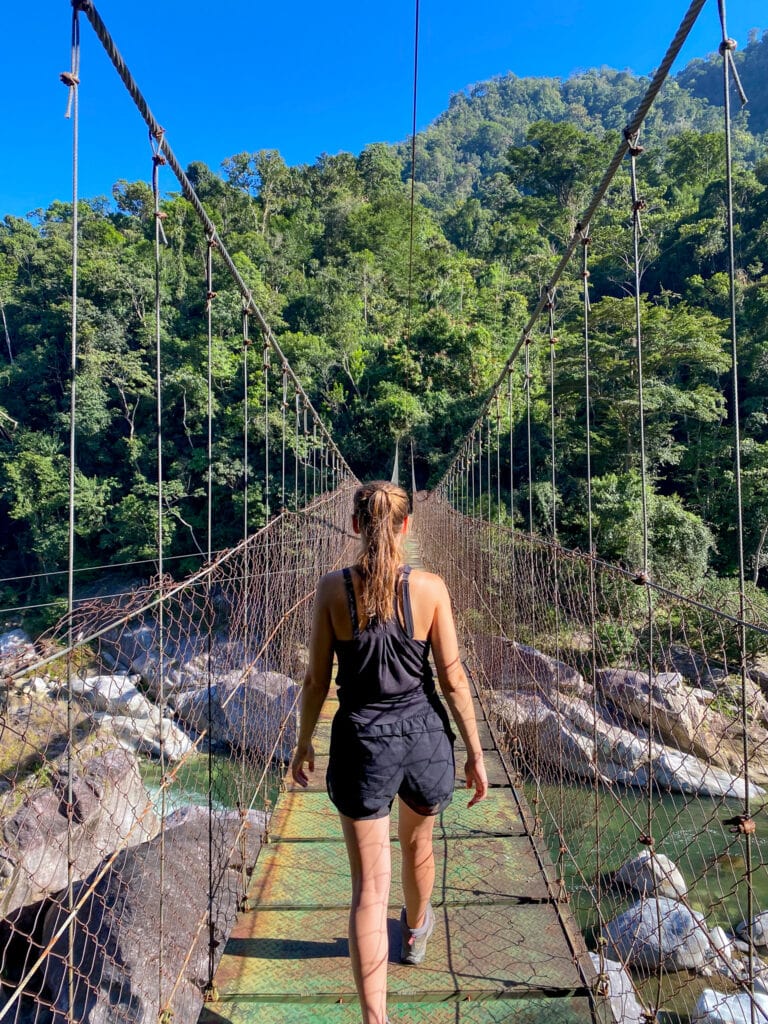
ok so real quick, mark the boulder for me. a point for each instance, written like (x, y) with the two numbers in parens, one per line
(651, 874)
(683, 773)
(519, 667)
(759, 930)
(116, 930)
(695, 667)
(563, 731)
(144, 735)
(621, 992)
(717, 1008)
(115, 694)
(255, 709)
(192, 711)
(660, 932)
(111, 809)
(678, 717)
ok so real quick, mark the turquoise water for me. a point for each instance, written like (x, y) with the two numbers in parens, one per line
(233, 783)
(601, 834)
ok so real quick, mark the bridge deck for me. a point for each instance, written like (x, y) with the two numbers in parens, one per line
(503, 949)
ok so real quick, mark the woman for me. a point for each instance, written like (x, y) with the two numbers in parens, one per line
(391, 736)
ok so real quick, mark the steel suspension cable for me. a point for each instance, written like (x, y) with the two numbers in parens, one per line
(746, 828)
(602, 989)
(72, 80)
(209, 635)
(643, 576)
(157, 161)
(412, 211)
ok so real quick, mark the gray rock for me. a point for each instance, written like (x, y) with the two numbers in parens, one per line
(624, 1004)
(684, 773)
(660, 932)
(717, 1008)
(115, 694)
(144, 735)
(255, 710)
(111, 809)
(651, 874)
(759, 930)
(116, 930)
(694, 667)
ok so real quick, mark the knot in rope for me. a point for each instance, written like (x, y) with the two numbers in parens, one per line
(728, 44)
(69, 78)
(646, 840)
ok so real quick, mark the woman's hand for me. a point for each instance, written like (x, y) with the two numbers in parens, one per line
(304, 752)
(477, 779)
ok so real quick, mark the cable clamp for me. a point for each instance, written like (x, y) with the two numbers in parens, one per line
(742, 824)
(69, 78)
(211, 295)
(552, 340)
(646, 840)
(159, 160)
(727, 44)
(527, 339)
(82, 5)
(642, 578)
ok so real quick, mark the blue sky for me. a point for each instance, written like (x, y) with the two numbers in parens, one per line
(304, 78)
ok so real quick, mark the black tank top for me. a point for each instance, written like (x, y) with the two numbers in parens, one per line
(383, 671)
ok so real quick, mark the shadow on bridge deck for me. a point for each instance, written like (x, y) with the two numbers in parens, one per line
(503, 948)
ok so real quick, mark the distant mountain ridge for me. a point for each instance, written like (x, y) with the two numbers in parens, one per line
(469, 141)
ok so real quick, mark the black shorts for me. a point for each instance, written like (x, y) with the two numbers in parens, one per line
(372, 763)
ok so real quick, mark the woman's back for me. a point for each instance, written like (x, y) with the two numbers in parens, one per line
(384, 668)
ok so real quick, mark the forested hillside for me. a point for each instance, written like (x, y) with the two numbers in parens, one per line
(502, 177)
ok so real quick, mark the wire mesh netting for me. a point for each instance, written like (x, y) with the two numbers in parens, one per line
(621, 708)
(168, 723)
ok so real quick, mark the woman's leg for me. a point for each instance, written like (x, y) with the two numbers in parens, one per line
(371, 870)
(415, 833)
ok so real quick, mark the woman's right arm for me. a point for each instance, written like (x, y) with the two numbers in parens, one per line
(455, 689)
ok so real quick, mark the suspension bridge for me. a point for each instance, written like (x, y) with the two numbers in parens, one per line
(620, 847)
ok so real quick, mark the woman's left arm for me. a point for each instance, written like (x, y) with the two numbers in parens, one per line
(316, 682)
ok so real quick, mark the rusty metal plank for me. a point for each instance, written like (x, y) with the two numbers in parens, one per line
(485, 870)
(490, 1011)
(476, 952)
(302, 815)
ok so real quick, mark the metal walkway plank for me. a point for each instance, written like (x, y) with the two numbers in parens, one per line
(468, 870)
(302, 815)
(476, 952)
(498, 1011)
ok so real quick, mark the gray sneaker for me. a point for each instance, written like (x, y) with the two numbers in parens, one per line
(413, 945)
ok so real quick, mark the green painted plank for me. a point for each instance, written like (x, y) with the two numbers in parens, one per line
(302, 815)
(486, 870)
(476, 952)
(495, 1011)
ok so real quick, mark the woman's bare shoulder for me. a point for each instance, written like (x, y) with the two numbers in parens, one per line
(427, 583)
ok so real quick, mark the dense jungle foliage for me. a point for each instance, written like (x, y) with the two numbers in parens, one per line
(502, 176)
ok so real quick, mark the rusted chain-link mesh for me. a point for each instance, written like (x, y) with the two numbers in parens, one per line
(620, 761)
(228, 663)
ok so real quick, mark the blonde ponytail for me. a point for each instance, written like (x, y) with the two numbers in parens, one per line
(380, 508)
